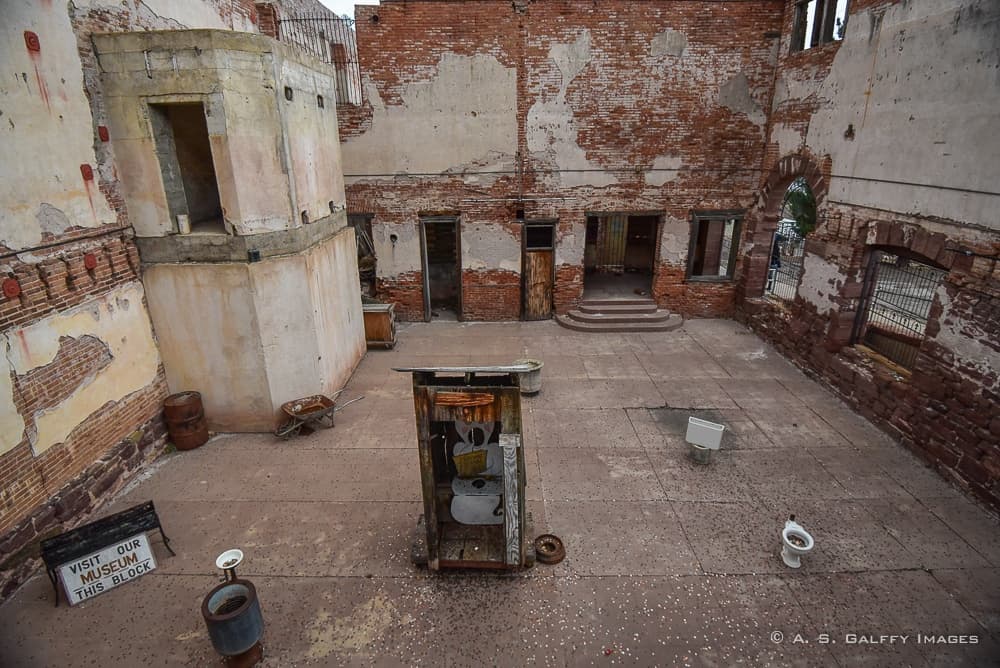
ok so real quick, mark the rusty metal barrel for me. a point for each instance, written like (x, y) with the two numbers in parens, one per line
(232, 615)
(185, 417)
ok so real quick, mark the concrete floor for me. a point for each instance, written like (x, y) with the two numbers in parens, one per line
(668, 564)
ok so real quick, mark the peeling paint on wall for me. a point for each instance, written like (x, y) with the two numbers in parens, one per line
(669, 164)
(47, 129)
(964, 338)
(120, 322)
(463, 114)
(486, 246)
(570, 248)
(11, 422)
(896, 86)
(674, 241)
(821, 281)
(551, 131)
(400, 257)
(668, 43)
(735, 95)
(52, 220)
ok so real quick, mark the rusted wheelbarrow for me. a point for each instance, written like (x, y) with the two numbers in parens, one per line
(313, 412)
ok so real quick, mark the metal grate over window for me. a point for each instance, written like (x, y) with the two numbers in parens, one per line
(899, 295)
(787, 254)
(333, 40)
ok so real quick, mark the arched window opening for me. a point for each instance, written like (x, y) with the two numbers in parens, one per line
(898, 294)
(797, 218)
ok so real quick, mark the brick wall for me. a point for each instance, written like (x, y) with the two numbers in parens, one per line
(944, 409)
(632, 113)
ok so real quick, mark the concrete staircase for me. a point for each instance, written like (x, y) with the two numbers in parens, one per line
(620, 315)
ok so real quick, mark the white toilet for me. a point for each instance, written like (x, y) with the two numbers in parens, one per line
(478, 495)
(795, 541)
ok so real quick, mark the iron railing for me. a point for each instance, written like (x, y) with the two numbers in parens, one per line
(787, 252)
(900, 293)
(333, 40)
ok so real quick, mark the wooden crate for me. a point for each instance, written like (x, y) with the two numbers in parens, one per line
(380, 325)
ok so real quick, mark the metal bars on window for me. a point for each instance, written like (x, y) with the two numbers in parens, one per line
(333, 40)
(787, 254)
(899, 293)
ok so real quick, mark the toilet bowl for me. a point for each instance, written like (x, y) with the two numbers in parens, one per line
(795, 542)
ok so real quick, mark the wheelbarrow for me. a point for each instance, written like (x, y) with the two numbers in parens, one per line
(312, 412)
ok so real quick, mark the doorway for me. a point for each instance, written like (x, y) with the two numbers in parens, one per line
(619, 255)
(440, 241)
(180, 132)
(539, 269)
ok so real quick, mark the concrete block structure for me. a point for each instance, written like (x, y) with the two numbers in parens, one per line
(123, 119)
(259, 303)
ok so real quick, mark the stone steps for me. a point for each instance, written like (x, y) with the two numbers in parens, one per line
(631, 306)
(620, 315)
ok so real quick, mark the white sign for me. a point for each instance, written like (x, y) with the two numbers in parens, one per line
(114, 565)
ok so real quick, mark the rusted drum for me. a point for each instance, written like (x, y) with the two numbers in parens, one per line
(232, 615)
(185, 418)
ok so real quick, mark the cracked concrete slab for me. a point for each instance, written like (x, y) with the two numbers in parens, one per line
(669, 563)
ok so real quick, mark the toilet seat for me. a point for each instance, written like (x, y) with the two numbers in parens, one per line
(476, 509)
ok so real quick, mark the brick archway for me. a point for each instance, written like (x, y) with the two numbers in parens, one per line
(764, 221)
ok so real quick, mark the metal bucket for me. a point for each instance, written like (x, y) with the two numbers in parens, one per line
(700, 454)
(232, 615)
(185, 417)
(531, 381)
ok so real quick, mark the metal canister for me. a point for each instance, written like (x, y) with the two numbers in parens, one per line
(185, 417)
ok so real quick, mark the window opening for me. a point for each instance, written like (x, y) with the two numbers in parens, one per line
(539, 237)
(818, 22)
(785, 272)
(713, 246)
(899, 293)
(180, 133)
(367, 262)
(797, 218)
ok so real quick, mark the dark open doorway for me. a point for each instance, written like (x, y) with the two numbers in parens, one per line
(619, 255)
(185, 155)
(442, 270)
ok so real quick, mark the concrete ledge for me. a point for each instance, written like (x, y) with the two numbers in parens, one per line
(216, 248)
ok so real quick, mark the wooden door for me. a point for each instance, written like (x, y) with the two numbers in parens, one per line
(539, 270)
(538, 285)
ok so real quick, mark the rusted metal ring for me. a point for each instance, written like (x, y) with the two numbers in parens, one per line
(549, 549)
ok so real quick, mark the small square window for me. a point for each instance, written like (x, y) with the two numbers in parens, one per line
(818, 22)
(714, 238)
(539, 237)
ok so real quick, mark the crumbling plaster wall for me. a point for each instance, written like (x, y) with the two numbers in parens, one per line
(918, 83)
(275, 158)
(47, 132)
(897, 123)
(81, 384)
(120, 324)
(625, 106)
(250, 337)
(462, 112)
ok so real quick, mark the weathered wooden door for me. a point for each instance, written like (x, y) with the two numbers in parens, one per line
(539, 270)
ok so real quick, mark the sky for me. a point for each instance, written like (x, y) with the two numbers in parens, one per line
(346, 6)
